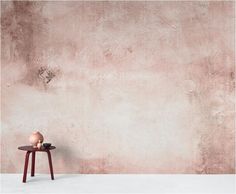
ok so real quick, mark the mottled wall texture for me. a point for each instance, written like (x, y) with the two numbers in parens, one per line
(119, 87)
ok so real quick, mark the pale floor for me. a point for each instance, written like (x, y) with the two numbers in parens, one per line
(80, 183)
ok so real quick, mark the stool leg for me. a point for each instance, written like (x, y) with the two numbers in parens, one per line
(26, 166)
(33, 164)
(50, 164)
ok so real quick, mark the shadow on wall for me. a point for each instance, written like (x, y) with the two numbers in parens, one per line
(67, 161)
(64, 158)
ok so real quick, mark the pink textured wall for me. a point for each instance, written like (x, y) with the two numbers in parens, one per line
(119, 87)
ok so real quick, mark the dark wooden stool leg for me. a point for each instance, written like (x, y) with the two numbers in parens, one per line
(33, 164)
(50, 164)
(26, 166)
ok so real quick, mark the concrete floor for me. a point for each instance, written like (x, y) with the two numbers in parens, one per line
(81, 183)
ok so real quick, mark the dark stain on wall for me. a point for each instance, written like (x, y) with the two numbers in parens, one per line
(24, 35)
(45, 74)
(217, 137)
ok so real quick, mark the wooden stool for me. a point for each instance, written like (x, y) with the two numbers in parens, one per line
(31, 149)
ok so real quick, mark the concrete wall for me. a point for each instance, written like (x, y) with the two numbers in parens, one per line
(119, 87)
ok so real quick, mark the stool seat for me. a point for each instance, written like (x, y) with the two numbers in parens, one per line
(31, 149)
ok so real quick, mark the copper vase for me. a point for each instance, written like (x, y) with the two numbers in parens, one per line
(35, 138)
